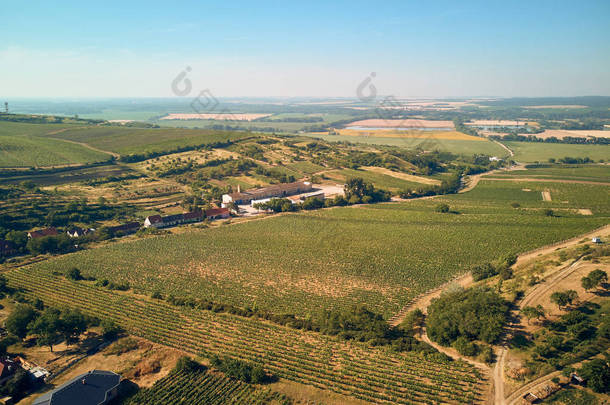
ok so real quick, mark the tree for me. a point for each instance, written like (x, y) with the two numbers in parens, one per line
(564, 298)
(48, 327)
(442, 208)
(587, 283)
(18, 321)
(74, 274)
(110, 330)
(598, 277)
(533, 312)
(548, 212)
(596, 374)
(72, 324)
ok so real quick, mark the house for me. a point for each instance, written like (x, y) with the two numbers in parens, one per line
(43, 232)
(97, 387)
(124, 229)
(596, 240)
(7, 248)
(217, 213)
(157, 221)
(77, 232)
(576, 379)
(275, 191)
(7, 369)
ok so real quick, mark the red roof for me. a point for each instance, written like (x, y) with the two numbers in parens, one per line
(212, 212)
(43, 232)
(193, 215)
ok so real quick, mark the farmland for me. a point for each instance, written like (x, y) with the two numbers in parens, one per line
(381, 255)
(595, 173)
(348, 368)
(425, 142)
(542, 152)
(125, 140)
(202, 386)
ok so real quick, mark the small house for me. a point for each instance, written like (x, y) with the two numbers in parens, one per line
(217, 213)
(77, 232)
(43, 232)
(596, 240)
(125, 229)
(97, 387)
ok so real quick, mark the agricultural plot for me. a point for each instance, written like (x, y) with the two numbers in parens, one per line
(542, 151)
(585, 173)
(347, 368)
(36, 151)
(204, 387)
(457, 146)
(380, 255)
(126, 140)
(380, 180)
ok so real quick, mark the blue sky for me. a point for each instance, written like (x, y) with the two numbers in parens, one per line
(416, 48)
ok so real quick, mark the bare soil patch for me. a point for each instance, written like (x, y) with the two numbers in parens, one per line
(560, 133)
(403, 176)
(585, 211)
(546, 196)
(408, 123)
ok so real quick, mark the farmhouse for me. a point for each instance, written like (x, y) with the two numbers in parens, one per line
(97, 387)
(275, 191)
(217, 213)
(157, 221)
(124, 229)
(7, 248)
(43, 232)
(77, 232)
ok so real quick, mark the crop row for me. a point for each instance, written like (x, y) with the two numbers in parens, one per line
(351, 369)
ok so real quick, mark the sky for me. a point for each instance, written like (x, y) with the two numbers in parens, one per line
(311, 49)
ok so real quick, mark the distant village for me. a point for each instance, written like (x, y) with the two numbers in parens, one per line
(241, 202)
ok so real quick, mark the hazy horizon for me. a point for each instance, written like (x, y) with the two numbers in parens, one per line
(314, 50)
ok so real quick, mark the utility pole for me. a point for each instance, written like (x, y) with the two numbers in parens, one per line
(6, 107)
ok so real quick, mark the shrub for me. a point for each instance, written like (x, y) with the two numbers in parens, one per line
(442, 208)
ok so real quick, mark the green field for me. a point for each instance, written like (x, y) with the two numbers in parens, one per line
(36, 151)
(24, 145)
(381, 255)
(204, 387)
(460, 147)
(126, 140)
(378, 179)
(543, 151)
(354, 369)
(595, 173)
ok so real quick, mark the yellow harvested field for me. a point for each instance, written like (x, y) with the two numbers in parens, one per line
(407, 123)
(402, 176)
(389, 133)
(221, 117)
(560, 133)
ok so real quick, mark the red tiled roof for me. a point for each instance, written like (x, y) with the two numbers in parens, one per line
(153, 219)
(193, 215)
(216, 211)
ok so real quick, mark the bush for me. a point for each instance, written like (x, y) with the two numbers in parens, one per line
(74, 274)
(596, 374)
(442, 208)
(465, 347)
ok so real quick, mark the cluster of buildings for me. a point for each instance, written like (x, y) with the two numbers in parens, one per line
(9, 366)
(300, 189)
(157, 221)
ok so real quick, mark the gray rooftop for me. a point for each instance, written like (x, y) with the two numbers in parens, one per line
(87, 389)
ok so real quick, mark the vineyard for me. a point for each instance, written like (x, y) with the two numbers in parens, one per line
(204, 387)
(353, 369)
(380, 255)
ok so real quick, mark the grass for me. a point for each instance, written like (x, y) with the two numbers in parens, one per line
(380, 255)
(542, 151)
(36, 151)
(378, 179)
(125, 140)
(461, 147)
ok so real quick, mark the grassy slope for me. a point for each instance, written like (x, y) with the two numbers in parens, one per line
(381, 255)
(542, 152)
(126, 140)
(23, 145)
